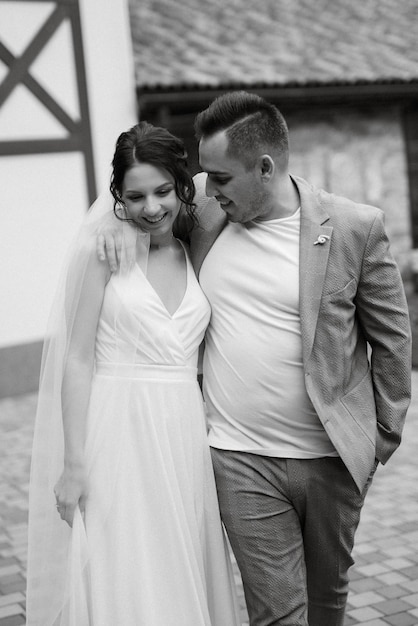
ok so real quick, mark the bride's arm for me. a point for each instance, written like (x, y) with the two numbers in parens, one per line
(71, 489)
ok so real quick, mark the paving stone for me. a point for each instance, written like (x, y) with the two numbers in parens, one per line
(411, 572)
(365, 548)
(373, 569)
(392, 591)
(355, 575)
(11, 587)
(6, 581)
(374, 557)
(7, 570)
(411, 585)
(390, 607)
(412, 599)
(363, 599)
(361, 585)
(11, 609)
(12, 598)
(414, 556)
(364, 614)
(392, 578)
(5, 562)
(16, 620)
(400, 564)
(401, 619)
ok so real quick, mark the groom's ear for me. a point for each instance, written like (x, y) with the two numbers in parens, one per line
(266, 167)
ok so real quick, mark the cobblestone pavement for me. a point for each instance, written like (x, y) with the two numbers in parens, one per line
(384, 579)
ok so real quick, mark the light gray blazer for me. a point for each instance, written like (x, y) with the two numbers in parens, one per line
(351, 296)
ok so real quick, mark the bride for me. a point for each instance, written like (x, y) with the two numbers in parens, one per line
(124, 526)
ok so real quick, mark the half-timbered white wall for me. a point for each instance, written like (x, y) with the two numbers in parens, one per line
(44, 196)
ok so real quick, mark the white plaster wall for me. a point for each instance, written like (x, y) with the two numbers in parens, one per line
(110, 74)
(42, 204)
(44, 197)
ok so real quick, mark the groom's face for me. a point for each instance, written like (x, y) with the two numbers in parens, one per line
(238, 189)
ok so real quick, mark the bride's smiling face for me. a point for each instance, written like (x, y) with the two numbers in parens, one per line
(150, 198)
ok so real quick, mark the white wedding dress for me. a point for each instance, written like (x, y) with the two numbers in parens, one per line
(150, 550)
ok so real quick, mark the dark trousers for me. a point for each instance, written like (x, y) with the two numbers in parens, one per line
(291, 525)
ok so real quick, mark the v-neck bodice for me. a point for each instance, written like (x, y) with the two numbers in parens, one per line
(157, 295)
(135, 327)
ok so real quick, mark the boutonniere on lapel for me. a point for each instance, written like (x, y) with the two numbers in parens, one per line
(321, 240)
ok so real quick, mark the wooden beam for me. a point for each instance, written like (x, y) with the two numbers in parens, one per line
(21, 64)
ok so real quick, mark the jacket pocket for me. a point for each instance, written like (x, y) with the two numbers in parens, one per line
(347, 292)
(360, 403)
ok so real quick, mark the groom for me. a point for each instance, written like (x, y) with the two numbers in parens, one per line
(303, 288)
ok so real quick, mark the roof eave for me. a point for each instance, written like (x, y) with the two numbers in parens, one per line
(193, 97)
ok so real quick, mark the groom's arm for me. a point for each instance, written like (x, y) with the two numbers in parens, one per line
(109, 237)
(109, 243)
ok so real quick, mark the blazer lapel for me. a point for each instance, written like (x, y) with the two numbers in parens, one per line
(315, 242)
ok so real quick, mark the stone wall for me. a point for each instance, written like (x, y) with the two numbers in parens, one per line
(358, 153)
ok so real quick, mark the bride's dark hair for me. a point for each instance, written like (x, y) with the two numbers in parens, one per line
(145, 143)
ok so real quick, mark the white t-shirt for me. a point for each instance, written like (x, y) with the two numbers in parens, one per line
(252, 372)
